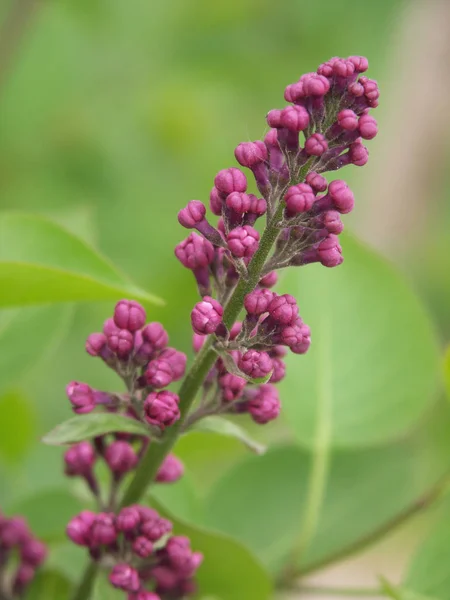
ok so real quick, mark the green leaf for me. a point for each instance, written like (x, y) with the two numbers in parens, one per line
(208, 456)
(49, 585)
(88, 426)
(384, 481)
(180, 498)
(17, 425)
(103, 590)
(373, 364)
(68, 559)
(41, 262)
(221, 426)
(428, 574)
(229, 571)
(29, 335)
(47, 512)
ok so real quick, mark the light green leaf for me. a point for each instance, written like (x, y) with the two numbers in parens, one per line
(104, 590)
(428, 573)
(180, 498)
(68, 559)
(229, 571)
(47, 512)
(17, 425)
(41, 262)
(49, 585)
(373, 365)
(84, 427)
(384, 481)
(29, 335)
(221, 426)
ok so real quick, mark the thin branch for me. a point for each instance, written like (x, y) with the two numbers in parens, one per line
(419, 505)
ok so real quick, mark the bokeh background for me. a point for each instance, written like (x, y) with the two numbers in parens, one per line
(114, 113)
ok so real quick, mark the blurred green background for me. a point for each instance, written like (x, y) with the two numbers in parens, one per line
(115, 113)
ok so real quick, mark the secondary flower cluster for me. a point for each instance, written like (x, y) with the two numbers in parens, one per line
(16, 540)
(143, 558)
(329, 110)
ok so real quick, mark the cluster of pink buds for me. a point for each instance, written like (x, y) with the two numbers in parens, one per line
(144, 559)
(329, 111)
(20, 556)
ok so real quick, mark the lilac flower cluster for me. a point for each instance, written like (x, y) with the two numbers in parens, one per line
(133, 543)
(16, 540)
(143, 558)
(330, 110)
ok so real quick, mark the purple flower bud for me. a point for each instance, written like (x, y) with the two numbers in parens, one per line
(128, 519)
(215, 202)
(315, 84)
(167, 579)
(177, 361)
(103, 531)
(14, 532)
(109, 327)
(249, 154)
(192, 215)
(155, 334)
(299, 198)
(179, 554)
(158, 373)
(332, 222)
(195, 251)
(238, 202)
(295, 335)
(258, 206)
(243, 241)
(348, 120)
(330, 252)
(316, 145)
(255, 364)
(125, 578)
(33, 552)
(81, 396)
(371, 91)
(142, 547)
(274, 119)
(367, 126)
(230, 180)
(294, 118)
(79, 528)
(154, 529)
(342, 196)
(198, 341)
(265, 405)
(235, 330)
(257, 302)
(283, 309)
(120, 457)
(269, 280)
(303, 346)
(279, 370)
(121, 342)
(171, 470)
(95, 344)
(358, 154)
(79, 459)
(23, 577)
(317, 182)
(161, 409)
(206, 316)
(360, 63)
(130, 315)
(232, 386)
(143, 595)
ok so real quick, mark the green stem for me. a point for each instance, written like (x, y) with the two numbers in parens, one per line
(156, 453)
(84, 590)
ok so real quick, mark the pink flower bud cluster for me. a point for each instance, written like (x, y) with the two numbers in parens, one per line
(320, 130)
(145, 555)
(21, 551)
